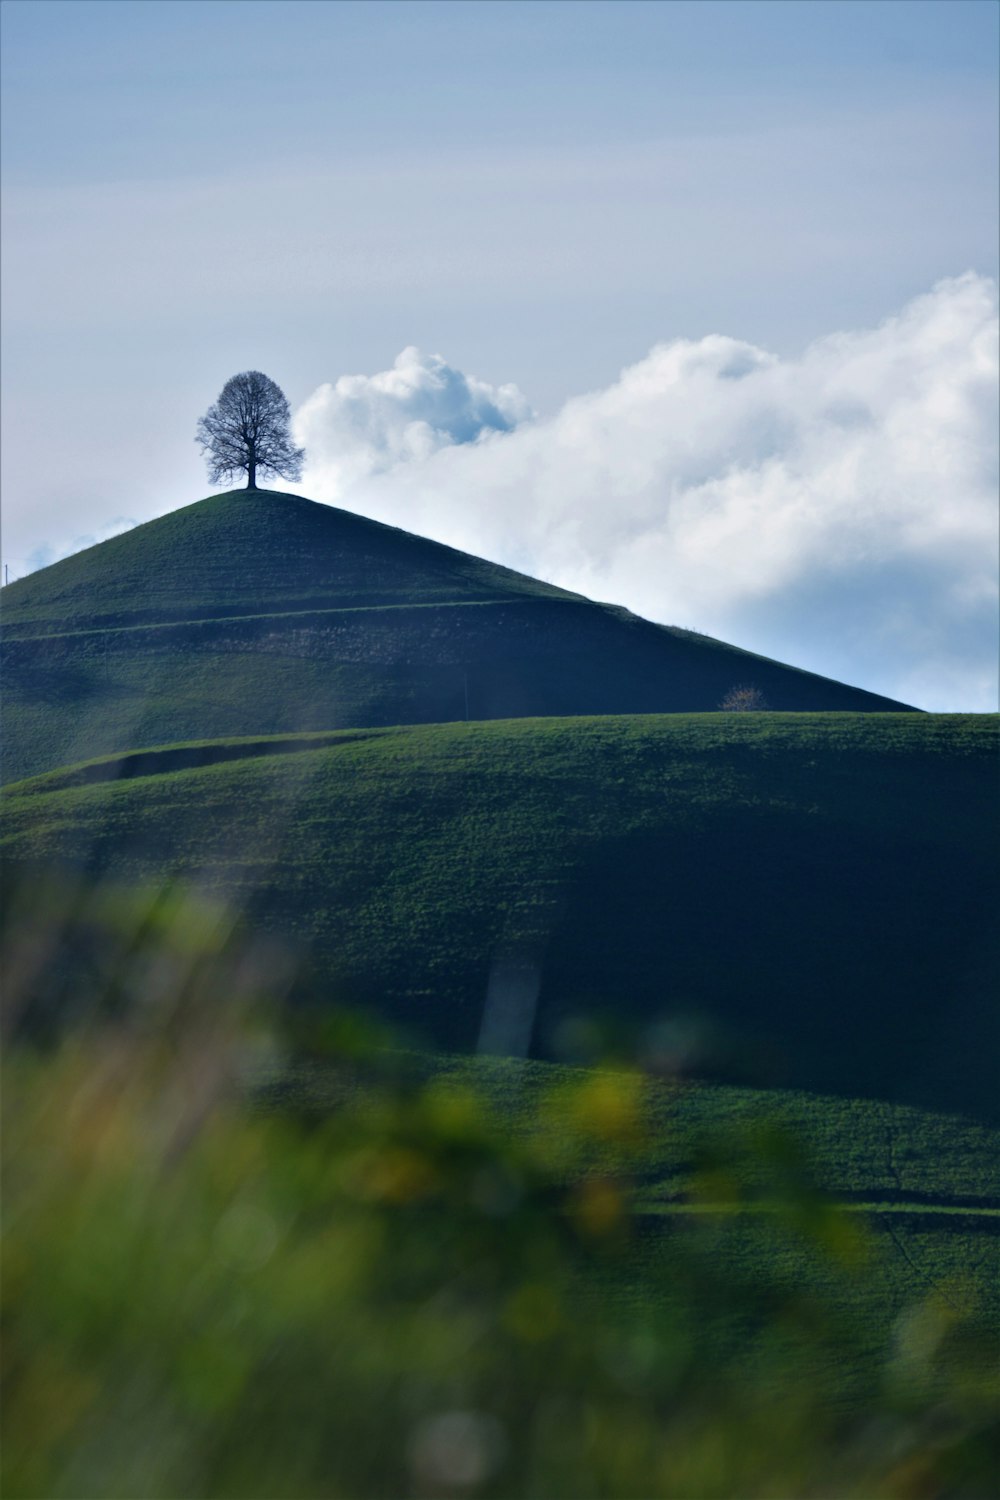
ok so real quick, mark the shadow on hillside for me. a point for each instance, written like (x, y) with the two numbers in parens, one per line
(790, 961)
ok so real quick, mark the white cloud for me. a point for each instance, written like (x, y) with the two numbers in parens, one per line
(365, 425)
(837, 509)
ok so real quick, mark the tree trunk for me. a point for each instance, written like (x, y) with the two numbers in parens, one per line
(252, 474)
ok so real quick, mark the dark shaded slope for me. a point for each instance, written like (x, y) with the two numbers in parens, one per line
(73, 697)
(796, 900)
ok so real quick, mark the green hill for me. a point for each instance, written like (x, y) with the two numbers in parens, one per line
(259, 779)
(251, 552)
(263, 613)
(789, 899)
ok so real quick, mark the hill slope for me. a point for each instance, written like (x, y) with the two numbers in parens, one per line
(251, 552)
(259, 612)
(800, 900)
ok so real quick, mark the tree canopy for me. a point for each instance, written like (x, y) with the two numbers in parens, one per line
(247, 432)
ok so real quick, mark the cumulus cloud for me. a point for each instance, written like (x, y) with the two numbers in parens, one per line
(366, 424)
(837, 509)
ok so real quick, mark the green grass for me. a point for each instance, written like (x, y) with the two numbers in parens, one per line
(923, 1186)
(776, 1281)
(229, 1275)
(252, 553)
(791, 900)
(201, 1299)
(266, 613)
(855, 1150)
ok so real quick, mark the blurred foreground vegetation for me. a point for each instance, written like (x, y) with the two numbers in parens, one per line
(401, 1294)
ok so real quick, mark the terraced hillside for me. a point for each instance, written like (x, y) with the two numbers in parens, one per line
(788, 899)
(264, 613)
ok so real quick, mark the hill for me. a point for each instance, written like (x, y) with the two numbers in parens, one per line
(260, 613)
(801, 900)
(251, 552)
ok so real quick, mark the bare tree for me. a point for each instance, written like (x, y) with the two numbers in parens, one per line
(246, 432)
(743, 699)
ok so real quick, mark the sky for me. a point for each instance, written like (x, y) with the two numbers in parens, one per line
(691, 307)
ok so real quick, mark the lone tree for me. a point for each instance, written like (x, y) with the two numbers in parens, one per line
(246, 432)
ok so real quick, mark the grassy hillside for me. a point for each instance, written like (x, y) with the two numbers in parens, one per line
(248, 552)
(921, 1189)
(257, 613)
(632, 1284)
(795, 900)
(866, 1153)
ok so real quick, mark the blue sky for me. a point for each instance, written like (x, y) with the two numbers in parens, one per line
(538, 193)
(349, 76)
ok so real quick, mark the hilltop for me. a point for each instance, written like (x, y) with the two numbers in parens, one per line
(251, 552)
(257, 612)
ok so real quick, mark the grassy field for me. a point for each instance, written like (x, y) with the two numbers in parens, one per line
(925, 1188)
(780, 1189)
(790, 900)
(265, 613)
